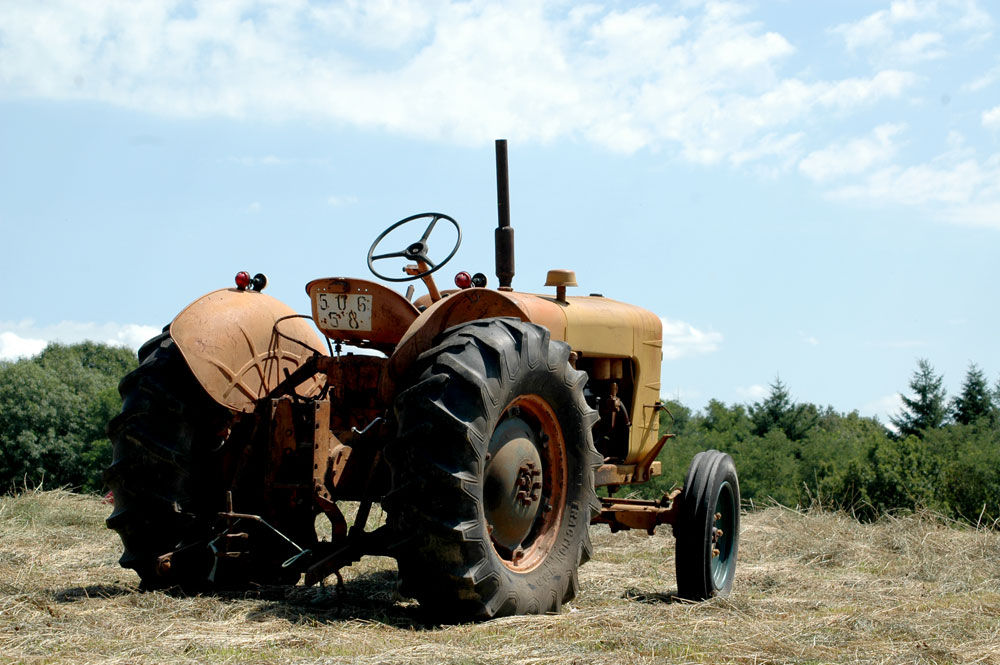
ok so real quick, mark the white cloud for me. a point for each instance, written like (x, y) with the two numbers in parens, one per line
(337, 201)
(785, 148)
(856, 156)
(957, 186)
(920, 46)
(26, 338)
(701, 78)
(681, 340)
(383, 24)
(686, 396)
(14, 346)
(991, 118)
(912, 31)
(753, 393)
(982, 81)
(976, 214)
(871, 30)
(883, 407)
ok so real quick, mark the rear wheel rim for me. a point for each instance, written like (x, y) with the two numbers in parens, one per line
(534, 415)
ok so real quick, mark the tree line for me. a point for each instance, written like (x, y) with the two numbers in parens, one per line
(54, 410)
(941, 453)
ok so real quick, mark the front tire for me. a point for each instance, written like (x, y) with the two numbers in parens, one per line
(493, 473)
(708, 527)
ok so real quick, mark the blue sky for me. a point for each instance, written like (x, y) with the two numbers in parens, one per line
(803, 189)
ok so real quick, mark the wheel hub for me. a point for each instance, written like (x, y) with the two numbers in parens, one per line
(512, 484)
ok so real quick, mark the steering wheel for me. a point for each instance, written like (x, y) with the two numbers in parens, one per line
(416, 251)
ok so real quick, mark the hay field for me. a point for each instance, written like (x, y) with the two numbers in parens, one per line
(811, 588)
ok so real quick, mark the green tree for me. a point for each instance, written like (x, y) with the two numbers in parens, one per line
(927, 409)
(832, 455)
(731, 421)
(767, 468)
(54, 410)
(975, 402)
(968, 483)
(675, 419)
(777, 411)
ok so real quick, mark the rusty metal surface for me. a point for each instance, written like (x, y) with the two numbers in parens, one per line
(357, 390)
(283, 443)
(469, 305)
(623, 514)
(391, 315)
(648, 467)
(227, 339)
(532, 473)
(623, 474)
(323, 443)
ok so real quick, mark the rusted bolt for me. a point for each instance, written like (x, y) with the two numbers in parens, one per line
(163, 567)
(517, 555)
(715, 552)
(718, 516)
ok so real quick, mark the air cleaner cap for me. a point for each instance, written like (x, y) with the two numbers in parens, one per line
(560, 278)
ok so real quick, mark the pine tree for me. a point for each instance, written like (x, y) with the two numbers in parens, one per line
(976, 401)
(778, 411)
(927, 409)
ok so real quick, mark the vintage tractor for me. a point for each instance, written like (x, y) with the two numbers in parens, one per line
(482, 420)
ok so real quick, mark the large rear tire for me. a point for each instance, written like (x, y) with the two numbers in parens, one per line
(708, 527)
(493, 473)
(163, 489)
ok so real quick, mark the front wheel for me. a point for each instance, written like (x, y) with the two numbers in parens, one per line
(493, 473)
(708, 526)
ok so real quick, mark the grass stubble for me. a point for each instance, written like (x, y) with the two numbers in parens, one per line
(812, 587)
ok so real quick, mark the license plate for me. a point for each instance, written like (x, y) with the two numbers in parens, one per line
(344, 311)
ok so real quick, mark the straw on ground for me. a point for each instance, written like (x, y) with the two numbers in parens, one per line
(811, 587)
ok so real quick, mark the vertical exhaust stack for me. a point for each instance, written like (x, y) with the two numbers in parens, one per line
(504, 235)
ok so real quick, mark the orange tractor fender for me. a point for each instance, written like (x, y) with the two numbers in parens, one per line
(469, 305)
(239, 344)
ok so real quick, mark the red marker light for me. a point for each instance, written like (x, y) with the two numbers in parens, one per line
(242, 280)
(463, 280)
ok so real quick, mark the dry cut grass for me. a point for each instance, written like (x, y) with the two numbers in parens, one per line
(812, 588)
